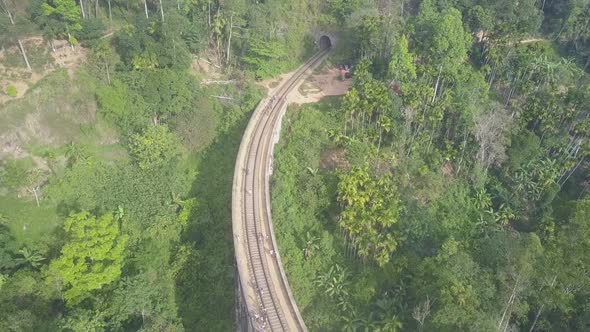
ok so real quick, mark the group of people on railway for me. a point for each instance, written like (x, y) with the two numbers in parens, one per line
(262, 319)
(273, 102)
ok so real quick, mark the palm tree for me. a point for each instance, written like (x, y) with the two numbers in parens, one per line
(120, 213)
(311, 245)
(335, 283)
(390, 324)
(349, 323)
(369, 323)
(175, 201)
(312, 171)
(30, 257)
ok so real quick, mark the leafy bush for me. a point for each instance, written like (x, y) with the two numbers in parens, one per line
(265, 57)
(15, 173)
(11, 90)
(92, 28)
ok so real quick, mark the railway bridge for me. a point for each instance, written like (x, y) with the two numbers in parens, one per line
(265, 302)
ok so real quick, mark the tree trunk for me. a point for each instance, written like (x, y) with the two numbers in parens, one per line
(108, 73)
(96, 8)
(587, 62)
(231, 24)
(462, 153)
(161, 10)
(69, 41)
(24, 53)
(436, 85)
(34, 191)
(508, 305)
(110, 11)
(345, 123)
(541, 308)
(147, 15)
(20, 43)
(380, 135)
(5, 6)
(82, 8)
(573, 171)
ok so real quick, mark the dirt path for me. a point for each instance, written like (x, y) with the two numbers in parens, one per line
(532, 40)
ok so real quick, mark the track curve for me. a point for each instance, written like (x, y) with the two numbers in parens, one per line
(264, 286)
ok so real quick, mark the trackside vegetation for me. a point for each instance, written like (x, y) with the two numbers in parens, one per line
(448, 189)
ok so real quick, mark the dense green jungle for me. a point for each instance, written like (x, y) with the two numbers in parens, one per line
(446, 190)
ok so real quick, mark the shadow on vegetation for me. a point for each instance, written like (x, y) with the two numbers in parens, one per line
(206, 292)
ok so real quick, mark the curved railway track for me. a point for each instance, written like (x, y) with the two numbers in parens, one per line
(263, 284)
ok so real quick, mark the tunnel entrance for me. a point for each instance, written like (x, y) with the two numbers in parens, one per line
(325, 42)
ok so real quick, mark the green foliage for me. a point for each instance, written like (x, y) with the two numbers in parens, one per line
(11, 91)
(473, 161)
(264, 57)
(31, 258)
(91, 259)
(8, 251)
(123, 107)
(59, 17)
(442, 39)
(91, 29)
(155, 149)
(343, 8)
(371, 208)
(15, 173)
(167, 92)
(195, 129)
(148, 45)
(300, 199)
(28, 225)
(401, 66)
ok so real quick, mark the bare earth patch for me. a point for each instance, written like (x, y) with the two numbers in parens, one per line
(328, 82)
(207, 68)
(63, 57)
(333, 159)
(272, 84)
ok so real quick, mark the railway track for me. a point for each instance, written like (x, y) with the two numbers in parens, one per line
(267, 294)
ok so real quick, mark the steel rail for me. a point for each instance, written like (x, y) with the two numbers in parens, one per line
(250, 197)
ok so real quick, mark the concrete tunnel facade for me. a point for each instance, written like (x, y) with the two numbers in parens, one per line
(325, 42)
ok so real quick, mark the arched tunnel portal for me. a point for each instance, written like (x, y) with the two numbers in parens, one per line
(325, 42)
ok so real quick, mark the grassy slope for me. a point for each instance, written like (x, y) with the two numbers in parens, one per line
(31, 226)
(64, 110)
(57, 111)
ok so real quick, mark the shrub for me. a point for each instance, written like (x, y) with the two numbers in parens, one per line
(11, 91)
(92, 29)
